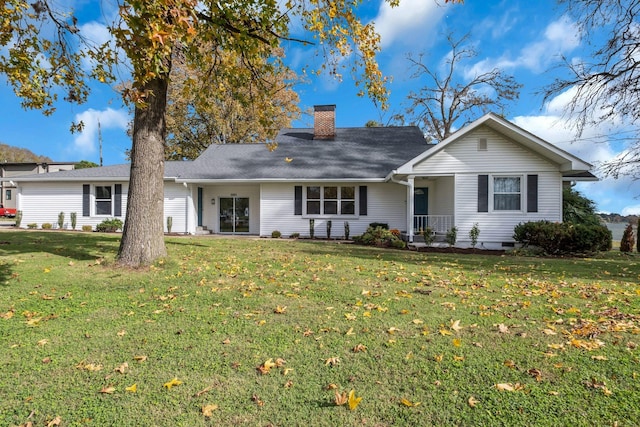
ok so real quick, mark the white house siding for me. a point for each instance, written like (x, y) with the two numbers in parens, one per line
(496, 228)
(386, 203)
(501, 157)
(177, 206)
(41, 202)
(210, 212)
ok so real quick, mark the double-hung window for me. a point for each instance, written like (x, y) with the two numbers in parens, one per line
(331, 200)
(507, 193)
(103, 200)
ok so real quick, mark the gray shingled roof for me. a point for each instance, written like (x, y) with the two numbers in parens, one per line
(355, 153)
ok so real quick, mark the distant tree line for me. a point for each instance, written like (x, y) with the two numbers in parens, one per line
(614, 217)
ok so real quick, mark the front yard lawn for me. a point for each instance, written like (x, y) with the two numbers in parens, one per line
(278, 332)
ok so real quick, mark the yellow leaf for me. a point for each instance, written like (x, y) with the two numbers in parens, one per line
(409, 403)
(599, 357)
(288, 159)
(266, 366)
(132, 388)
(392, 330)
(549, 332)
(280, 309)
(353, 400)
(509, 364)
(140, 358)
(43, 342)
(207, 410)
(417, 322)
(458, 358)
(472, 401)
(456, 326)
(457, 342)
(444, 332)
(438, 357)
(174, 382)
(556, 346)
(350, 332)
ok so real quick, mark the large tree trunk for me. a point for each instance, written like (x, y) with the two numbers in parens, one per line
(143, 233)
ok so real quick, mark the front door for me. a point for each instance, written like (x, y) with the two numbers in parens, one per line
(234, 214)
(420, 208)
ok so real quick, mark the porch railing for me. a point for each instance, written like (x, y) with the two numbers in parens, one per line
(437, 223)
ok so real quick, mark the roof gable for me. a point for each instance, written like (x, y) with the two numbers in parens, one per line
(567, 162)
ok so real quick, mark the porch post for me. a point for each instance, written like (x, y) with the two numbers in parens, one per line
(410, 207)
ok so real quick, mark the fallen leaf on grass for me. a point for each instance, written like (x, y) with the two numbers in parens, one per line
(207, 410)
(265, 368)
(456, 342)
(340, 398)
(174, 382)
(456, 326)
(472, 401)
(280, 309)
(503, 329)
(288, 384)
(509, 364)
(54, 422)
(43, 342)
(203, 391)
(122, 368)
(257, 400)
(140, 358)
(509, 386)
(599, 358)
(359, 348)
(353, 400)
(108, 390)
(332, 361)
(132, 388)
(409, 403)
(535, 373)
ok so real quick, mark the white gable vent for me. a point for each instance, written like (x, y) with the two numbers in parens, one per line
(482, 144)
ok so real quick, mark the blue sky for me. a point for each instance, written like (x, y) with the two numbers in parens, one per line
(521, 37)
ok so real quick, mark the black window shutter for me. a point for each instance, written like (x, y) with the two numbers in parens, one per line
(483, 193)
(363, 199)
(532, 193)
(117, 201)
(86, 200)
(297, 207)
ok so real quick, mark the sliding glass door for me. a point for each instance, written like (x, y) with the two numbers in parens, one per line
(234, 214)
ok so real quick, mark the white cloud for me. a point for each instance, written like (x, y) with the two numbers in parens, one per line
(559, 38)
(86, 141)
(631, 210)
(408, 23)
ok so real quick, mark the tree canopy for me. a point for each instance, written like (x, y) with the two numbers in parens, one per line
(11, 154)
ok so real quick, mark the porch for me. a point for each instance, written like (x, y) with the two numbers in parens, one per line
(439, 225)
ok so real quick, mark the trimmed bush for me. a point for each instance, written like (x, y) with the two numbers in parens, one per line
(275, 234)
(451, 236)
(473, 234)
(61, 220)
(110, 225)
(32, 225)
(628, 240)
(346, 230)
(74, 218)
(428, 236)
(47, 226)
(556, 238)
(328, 229)
(294, 235)
(169, 223)
(381, 237)
(87, 228)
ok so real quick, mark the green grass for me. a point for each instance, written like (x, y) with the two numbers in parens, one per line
(564, 333)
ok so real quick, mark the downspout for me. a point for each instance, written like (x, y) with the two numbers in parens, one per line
(410, 189)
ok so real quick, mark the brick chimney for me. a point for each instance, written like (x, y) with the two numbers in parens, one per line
(324, 121)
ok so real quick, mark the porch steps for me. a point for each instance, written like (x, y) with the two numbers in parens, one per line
(202, 231)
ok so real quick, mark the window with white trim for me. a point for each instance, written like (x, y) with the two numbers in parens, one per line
(104, 201)
(331, 200)
(507, 193)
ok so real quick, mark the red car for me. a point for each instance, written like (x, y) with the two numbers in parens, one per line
(8, 212)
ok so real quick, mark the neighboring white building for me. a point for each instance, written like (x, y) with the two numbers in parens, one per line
(491, 172)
